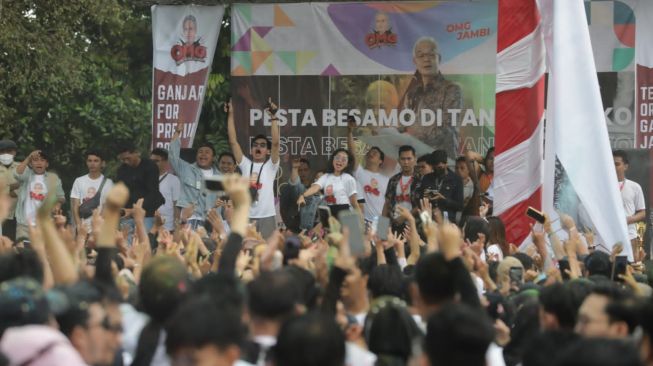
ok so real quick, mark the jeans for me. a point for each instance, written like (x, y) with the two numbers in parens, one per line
(129, 222)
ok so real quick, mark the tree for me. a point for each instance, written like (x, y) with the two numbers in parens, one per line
(77, 74)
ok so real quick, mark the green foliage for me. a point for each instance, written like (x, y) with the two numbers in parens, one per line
(77, 74)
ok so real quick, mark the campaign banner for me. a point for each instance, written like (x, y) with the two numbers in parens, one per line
(612, 26)
(416, 73)
(184, 42)
(644, 91)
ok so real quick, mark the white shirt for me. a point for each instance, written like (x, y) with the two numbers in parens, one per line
(633, 200)
(38, 189)
(406, 183)
(468, 190)
(84, 188)
(357, 356)
(170, 188)
(341, 187)
(371, 186)
(264, 205)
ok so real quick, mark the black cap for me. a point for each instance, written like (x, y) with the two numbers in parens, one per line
(8, 145)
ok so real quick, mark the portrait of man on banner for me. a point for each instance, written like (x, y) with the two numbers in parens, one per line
(428, 89)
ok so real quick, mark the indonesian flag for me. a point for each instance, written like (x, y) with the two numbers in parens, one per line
(576, 125)
(535, 36)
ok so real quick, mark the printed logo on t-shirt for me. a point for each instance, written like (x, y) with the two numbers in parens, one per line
(328, 192)
(252, 181)
(90, 193)
(37, 191)
(372, 188)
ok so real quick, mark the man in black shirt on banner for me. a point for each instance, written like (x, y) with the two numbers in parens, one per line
(443, 187)
(141, 176)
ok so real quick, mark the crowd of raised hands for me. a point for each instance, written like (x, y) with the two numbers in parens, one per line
(434, 294)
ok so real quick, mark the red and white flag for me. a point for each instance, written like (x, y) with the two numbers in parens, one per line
(184, 42)
(536, 35)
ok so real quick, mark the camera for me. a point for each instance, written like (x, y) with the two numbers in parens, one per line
(214, 183)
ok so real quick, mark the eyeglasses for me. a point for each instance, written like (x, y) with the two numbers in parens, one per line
(262, 144)
(108, 326)
(343, 159)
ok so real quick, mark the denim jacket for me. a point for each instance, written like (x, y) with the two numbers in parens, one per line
(192, 182)
(308, 211)
(23, 192)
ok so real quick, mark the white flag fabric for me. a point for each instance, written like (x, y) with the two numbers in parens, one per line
(579, 135)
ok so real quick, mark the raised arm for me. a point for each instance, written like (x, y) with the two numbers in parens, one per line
(20, 169)
(174, 153)
(231, 131)
(272, 110)
(309, 192)
(351, 145)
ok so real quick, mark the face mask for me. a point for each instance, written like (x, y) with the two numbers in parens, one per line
(6, 159)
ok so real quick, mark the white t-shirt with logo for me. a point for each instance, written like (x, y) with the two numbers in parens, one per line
(170, 188)
(371, 186)
(341, 187)
(38, 189)
(84, 188)
(264, 205)
(633, 200)
(406, 183)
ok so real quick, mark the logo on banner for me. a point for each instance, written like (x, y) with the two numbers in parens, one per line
(382, 34)
(189, 47)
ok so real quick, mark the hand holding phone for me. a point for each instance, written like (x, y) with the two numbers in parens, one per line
(352, 221)
(535, 215)
(382, 227)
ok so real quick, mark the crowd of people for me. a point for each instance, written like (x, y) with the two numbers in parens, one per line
(179, 263)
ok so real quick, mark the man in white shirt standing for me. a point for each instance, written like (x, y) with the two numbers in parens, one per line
(371, 182)
(631, 194)
(261, 170)
(87, 186)
(170, 188)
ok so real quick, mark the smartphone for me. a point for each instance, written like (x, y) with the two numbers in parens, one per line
(324, 213)
(563, 266)
(535, 215)
(214, 183)
(352, 221)
(516, 275)
(619, 267)
(382, 227)
(268, 106)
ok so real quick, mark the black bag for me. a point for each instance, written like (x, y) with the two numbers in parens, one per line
(86, 208)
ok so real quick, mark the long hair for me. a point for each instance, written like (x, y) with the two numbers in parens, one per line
(498, 234)
(350, 162)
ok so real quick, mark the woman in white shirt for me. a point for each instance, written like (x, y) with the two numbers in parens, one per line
(338, 184)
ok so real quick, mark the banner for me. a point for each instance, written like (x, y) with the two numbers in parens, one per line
(612, 31)
(644, 90)
(184, 41)
(416, 73)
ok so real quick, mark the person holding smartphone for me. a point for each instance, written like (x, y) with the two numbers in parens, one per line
(338, 184)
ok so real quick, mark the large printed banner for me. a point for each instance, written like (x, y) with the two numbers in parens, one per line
(612, 31)
(644, 71)
(184, 39)
(417, 73)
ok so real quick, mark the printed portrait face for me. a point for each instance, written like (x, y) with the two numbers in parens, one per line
(190, 29)
(425, 57)
(381, 22)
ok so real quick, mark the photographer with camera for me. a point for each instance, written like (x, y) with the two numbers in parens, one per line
(443, 187)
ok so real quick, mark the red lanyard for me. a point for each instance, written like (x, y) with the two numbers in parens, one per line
(621, 185)
(404, 188)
